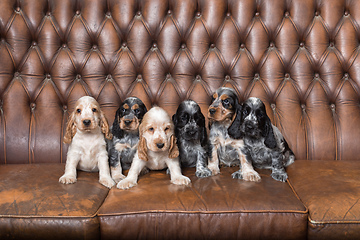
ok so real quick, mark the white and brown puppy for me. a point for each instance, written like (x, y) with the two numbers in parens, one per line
(157, 149)
(264, 145)
(86, 131)
(125, 130)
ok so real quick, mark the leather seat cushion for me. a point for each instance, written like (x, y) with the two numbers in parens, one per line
(215, 207)
(331, 192)
(32, 199)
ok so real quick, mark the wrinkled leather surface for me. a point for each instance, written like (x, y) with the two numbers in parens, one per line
(330, 190)
(218, 207)
(33, 203)
(300, 57)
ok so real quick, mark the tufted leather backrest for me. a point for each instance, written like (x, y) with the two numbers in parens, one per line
(301, 57)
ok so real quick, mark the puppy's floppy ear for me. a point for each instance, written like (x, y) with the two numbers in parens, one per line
(203, 133)
(105, 126)
(142, 149)
(174, 119)
(116, 130)
(268, 133)
(70, 129)
(173, 150)
(234, 129)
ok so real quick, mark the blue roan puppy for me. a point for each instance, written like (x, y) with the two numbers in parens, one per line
(264, 145)
(192, 141)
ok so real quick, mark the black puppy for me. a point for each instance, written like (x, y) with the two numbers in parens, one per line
(191, 137)
(264, 145)
(125, 130)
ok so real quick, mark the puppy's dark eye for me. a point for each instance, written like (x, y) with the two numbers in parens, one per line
(78, 110)
(245, 111)
(259, 113)
(183, 118)
(166, 129)
(226, 101)
(123, 110)
(94, 110)
(137, 111)
(151, 129)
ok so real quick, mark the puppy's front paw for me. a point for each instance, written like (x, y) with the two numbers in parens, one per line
(237, 175)
(279, 176)
(107, 182)
(126, 184)
(251, 176)
(203, 172)
(67, 179)
(215, 170)
(181, 180)
(118, 177)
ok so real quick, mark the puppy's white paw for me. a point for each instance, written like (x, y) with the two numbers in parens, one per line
(181, 180)
(107, 182)
(118, 177)
(67, 179)
(251, 176)
(126, 184)
(215, 170)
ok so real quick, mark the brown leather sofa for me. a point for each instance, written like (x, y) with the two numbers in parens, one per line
(301, 57)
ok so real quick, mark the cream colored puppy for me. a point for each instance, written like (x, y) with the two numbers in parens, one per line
(85, 132)
(157, 149)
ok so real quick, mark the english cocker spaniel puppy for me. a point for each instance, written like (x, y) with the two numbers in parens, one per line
(157, 149)
(192, 141)
(224, 149)
(125, 130)
(86, 131)
(264, 145)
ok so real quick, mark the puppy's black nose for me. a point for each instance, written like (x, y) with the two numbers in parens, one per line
(127, 122)
(87, 122)
(160, 145)
(212, 111)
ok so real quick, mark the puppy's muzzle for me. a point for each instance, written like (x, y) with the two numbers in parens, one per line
(87, 122)
(212, 111)
(128, 122)
(160, 145)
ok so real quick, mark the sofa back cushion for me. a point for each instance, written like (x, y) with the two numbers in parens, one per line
(300, 57)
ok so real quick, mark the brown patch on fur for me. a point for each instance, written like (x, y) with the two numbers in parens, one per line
(70, 129)
(142, 149)
(135, 106)
(105, 129)
(173, 151)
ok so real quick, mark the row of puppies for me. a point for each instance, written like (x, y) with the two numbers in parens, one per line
(240, 134)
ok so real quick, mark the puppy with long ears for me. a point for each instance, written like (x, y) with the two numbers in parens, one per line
(264, 145)
(224, 149)
(86, 131)
(157, 149)
(125, 130)
(192, 141)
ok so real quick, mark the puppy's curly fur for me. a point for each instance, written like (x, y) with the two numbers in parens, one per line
(157, 149)
(86, 131)
(264, 145)
(125, 130)
(192, 141)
